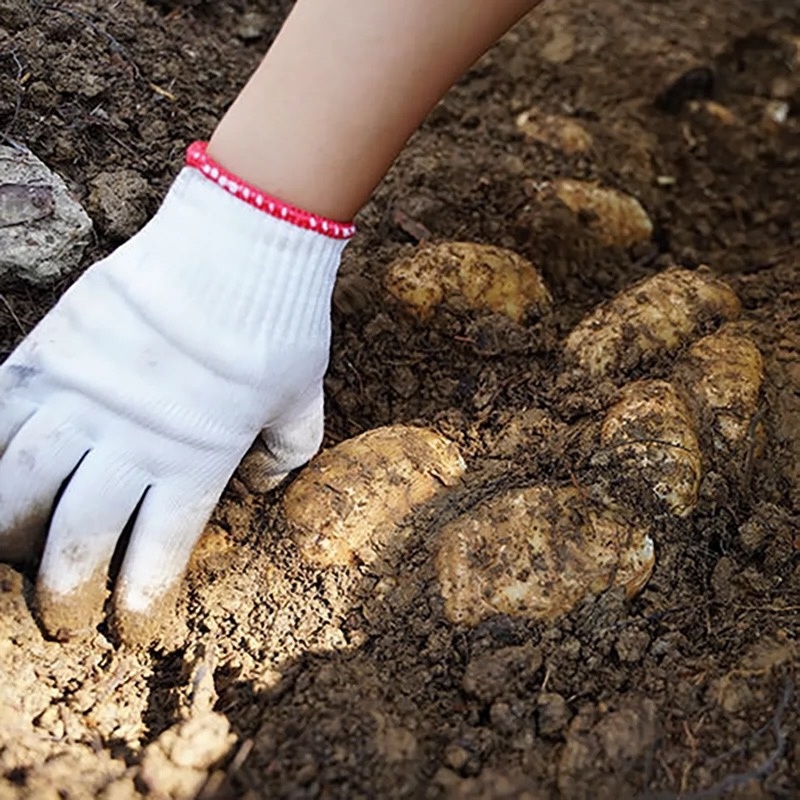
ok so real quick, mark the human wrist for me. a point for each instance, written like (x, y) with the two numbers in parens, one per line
(303, 172)
(243, 188)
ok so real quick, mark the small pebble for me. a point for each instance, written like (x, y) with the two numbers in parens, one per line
(456, 756)
(251, 26)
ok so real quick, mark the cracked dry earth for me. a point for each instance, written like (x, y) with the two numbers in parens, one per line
(292, 675)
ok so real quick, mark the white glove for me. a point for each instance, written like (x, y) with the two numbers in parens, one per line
(145, 386)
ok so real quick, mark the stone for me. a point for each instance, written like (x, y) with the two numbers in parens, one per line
(43, 230)
(252, 26)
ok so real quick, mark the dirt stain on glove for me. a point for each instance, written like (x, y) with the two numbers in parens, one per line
(76, 614)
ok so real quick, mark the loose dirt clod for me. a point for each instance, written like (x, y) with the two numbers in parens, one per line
(536, 553)
(649, 435)
(477, 276)
(177, 764)
(118, 200)
(656, 316)
(349, 501)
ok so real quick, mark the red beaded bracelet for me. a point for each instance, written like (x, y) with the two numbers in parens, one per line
(197, 157)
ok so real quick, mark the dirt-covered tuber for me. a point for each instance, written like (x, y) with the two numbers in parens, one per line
(616, 219)
(649, 435)
(348, 502)
(721, 374)
(561, 133)
(656, 316)
(477, 276)
(536, 553)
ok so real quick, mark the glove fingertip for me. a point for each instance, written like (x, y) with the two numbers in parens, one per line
(160, 626)
(75, 615)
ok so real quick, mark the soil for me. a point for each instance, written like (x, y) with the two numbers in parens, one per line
(290, 681)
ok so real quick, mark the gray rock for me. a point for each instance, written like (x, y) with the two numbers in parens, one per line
(43, 230)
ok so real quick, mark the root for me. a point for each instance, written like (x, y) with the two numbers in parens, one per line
(736, 780)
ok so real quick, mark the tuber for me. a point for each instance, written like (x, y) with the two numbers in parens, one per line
(649, 434)
(347, 504)
(479, 276)
(657, 315)
(536, 553)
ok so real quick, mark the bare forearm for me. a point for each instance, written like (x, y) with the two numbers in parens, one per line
(344, 86)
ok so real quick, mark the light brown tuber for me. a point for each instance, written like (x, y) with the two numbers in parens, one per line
(348, 503)
(536, 553)
(656, 316)
(477, 276)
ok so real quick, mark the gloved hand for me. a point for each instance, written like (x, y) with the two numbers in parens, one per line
(148, 381)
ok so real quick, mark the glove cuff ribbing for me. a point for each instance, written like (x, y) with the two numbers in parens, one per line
(197, 157)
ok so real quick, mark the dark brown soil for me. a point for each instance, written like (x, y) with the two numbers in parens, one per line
(350, 683)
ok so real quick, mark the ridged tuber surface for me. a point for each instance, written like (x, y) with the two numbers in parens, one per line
(481, 277)
(649, 434)
(536, 553)
(722, 375)
(657, 315)
(348, 502)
